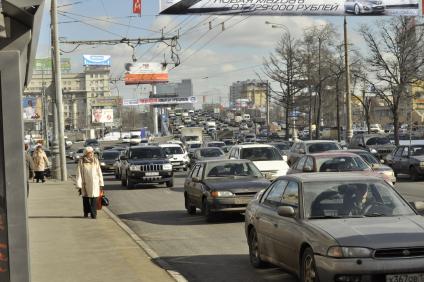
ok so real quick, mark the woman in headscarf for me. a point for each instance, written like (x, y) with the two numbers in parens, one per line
(40, 163)
(89, 181)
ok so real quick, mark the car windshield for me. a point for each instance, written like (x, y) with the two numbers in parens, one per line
(147, 153)
(369, 158)
(417, 150)
(211, 153)
(322, 147)
(173, 150)
(260, 154)
(193, 146)
(110, 155)
(335, 199)
(216, 144)
(191, 138)
(222, 169)
(341, 163)
(378, 141)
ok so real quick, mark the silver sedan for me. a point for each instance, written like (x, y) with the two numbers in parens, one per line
(344, 227)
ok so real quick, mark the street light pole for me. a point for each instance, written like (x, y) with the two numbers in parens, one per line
(58, 86)
(349, 131)
(268, 98)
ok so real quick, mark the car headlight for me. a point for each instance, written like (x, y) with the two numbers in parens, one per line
(388, 172)
(102, 164)
(217, 194)
(421, 163)
(349, 252)
(134, 167)
(167, 167)
(373, 151)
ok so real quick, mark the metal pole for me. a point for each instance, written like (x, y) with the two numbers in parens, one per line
(58, 86)
(155, 113)
(349, 131)
(45, 112)
(267, 109)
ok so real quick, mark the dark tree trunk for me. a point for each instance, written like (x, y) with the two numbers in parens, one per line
(318, 120)
(287, 119)
(338, 112)
(396, 126)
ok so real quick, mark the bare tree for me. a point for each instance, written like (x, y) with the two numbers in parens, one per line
(395, 59)
(285, 66)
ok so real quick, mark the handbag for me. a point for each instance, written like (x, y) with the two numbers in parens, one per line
(105, 200)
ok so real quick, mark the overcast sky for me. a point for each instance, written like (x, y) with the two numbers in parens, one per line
(213, 59)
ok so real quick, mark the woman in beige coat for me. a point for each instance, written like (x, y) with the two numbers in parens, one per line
(40, 163)
(89, 181)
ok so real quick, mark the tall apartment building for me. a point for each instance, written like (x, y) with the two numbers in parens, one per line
(251, 92)
(79, 90)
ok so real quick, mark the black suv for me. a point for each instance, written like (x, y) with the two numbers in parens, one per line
(145, 164)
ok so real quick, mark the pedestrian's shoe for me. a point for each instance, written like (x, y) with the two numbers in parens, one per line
(85, 214)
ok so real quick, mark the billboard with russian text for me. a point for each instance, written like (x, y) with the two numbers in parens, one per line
(96, 60)
(145, 73)
(291, 7)
(160, 101)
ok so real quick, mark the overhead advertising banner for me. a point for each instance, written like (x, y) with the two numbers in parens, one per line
(137, 7)
(96, 60)
(291, 7)
(112, 101)
(145, 73)
(33, 108)
(160, 101)
(101, 115)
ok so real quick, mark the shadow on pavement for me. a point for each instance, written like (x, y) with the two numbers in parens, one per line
(234, 268)
(52, 216)
(177, 189)
(180, 217)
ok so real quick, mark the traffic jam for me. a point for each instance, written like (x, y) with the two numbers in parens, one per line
(322, 210)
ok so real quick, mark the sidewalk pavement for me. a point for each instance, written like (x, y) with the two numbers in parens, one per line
(65, 246)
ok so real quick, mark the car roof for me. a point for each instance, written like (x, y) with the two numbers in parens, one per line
(333, 154)
(143, 147)
(316, 141)
(208, 148)
(356, 151)
(331, 176)
(224, 161)
(254, 146)
(170, 145)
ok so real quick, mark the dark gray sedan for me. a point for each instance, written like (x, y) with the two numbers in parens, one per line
(409, 160)
(222, 186)
(336, 227)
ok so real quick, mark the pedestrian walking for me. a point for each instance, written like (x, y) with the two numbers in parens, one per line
(29, 166)
(41, 162)
(89, 181)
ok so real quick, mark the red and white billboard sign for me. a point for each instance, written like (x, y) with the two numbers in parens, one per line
(145, 73)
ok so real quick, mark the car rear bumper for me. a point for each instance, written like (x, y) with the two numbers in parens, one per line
(368, 269)
(107, 168)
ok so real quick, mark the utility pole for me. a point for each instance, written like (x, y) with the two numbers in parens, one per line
(45, 111)
(349, 132)
(155, 113)
(268, 98)
(58, 88)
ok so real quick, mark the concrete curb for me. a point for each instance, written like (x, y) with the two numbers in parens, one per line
(151, 253)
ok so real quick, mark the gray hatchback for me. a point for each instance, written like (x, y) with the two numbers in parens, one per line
(344, 227)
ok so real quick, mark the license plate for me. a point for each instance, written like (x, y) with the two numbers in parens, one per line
(410, 277)
(242, 201)
(155, 173)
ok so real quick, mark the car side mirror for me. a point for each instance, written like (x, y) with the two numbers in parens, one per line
(307, 169)
(419, 206)
(123, 158)
(195, 179)
(286, 211)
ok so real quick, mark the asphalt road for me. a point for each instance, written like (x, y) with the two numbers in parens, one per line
(200, 251)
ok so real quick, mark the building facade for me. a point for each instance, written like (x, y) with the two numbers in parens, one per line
(249, 93)
(80, 92)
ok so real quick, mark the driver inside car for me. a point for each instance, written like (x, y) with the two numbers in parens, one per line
(355, 199)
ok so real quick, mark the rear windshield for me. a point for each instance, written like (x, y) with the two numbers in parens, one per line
(417, 150)
(232, 169)
(147, 153)
(378, 141)
(173, 150)
(282, 146)
(345, 163)
(216, 144)
(322, 147)
(211, 153)
(195, 146)
(369, 158)
(260, 154)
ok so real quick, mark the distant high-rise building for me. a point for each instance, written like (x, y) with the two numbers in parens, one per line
(248, 93)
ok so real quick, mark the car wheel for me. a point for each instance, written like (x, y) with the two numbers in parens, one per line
(413, 173)
(254, 254)
(206, 211)
(169, 183)
(308, 272)
(357, 10)
(189, 207)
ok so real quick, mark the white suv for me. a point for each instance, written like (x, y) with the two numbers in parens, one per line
(176, 155)
(266, 157)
